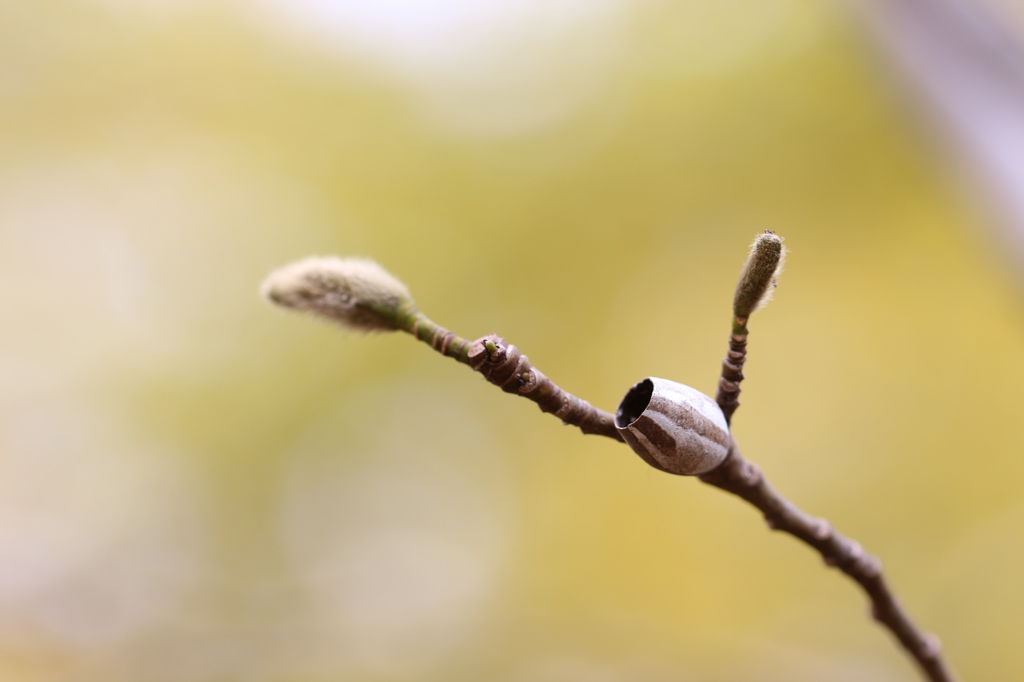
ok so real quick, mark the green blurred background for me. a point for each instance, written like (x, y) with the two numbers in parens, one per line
(196, 487)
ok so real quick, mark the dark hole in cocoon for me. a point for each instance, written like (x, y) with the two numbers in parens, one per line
(634, 404)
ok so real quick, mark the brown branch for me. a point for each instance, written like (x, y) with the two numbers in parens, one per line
(740, 477)
(744, 479)
(505, 366)
(360, 294)
(753, 290)
(732, 369)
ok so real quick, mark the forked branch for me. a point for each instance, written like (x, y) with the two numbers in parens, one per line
(360, 294)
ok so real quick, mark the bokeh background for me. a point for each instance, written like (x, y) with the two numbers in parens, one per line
(196, 487)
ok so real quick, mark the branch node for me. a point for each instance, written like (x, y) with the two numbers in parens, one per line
(751, 474)
(932, 648)
(871, 566)
(823, 530)
(505, 366)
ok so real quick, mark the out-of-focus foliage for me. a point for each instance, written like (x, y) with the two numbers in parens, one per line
(195, 487)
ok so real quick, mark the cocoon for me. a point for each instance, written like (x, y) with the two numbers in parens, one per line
(673, 427)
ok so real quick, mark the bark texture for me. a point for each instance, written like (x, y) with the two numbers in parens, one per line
(744, 479)
(505, 366)
(728, 396)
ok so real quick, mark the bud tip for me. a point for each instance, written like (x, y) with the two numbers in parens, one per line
(355, 292)
(759, 275)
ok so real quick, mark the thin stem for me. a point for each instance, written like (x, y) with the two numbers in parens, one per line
(757, 280)
(362, 295)
(411, 319)
(505, 366)
(740, 477)
(732, 369)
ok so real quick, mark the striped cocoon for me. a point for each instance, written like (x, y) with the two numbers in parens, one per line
(673, 427)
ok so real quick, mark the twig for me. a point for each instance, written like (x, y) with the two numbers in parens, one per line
(505, 366)
(732, 369)
(753, 290)
(360, 294)
(443, 340)
(744, 479)
(740, 477)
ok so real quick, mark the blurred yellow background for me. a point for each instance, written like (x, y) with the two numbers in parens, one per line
(196, 487)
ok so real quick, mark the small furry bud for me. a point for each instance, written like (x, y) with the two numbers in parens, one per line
(356, 292)
(758, 278)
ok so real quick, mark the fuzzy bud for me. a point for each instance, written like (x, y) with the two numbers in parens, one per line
(759, 275)
(355, 292)
(673, 427)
